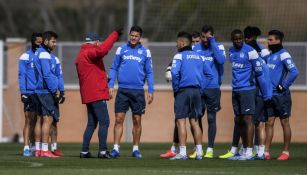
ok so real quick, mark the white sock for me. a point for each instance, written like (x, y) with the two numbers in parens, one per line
(38, 146)
(135, 148)
(256, 148)
(26, 147)
(84, 152)
(199, 150)
(209, 149)
(53, 146)
(173, 148)
(261, 150)
(116, 147)
(183, 150)
(102, 152)
(286, 152)
(234, 150)
(44, 146)
(249, 152)
(244, 151)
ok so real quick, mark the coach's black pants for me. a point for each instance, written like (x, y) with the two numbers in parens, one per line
(97, 113)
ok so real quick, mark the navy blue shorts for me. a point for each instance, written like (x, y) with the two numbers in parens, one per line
(261, 114)
(32, 104)
(243, 102)
(133, 98)
(48, 107)
(211, 99)
(281, 106)
(188, 103)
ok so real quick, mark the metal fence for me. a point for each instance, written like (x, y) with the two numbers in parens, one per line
(162, 54)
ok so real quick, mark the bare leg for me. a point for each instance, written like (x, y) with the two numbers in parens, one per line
(118, 127)
(287, 132)
(196, 130)
(269, 130)
(137, 129)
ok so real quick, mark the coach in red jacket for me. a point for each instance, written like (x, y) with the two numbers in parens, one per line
(94, 89)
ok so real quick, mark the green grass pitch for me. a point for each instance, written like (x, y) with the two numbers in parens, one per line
(12, 162)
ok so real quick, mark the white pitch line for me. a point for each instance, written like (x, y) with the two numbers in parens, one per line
(33, 164)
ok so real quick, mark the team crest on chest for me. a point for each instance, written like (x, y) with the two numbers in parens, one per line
(140, 51)
(241, 55)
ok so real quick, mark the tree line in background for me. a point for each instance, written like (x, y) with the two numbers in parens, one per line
(160, 19)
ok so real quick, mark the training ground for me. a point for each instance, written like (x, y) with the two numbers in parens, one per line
(13, 163)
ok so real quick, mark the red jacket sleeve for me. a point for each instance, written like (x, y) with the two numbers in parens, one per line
(103, 49)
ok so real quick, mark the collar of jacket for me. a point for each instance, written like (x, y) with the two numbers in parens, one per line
(46, 48)
(139, 45)
(185, 48)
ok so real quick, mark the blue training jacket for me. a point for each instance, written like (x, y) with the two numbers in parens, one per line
(26, 73)
(189, 70)
(266, 90)
(246, 65)
(132, 66)
(282, 70)
(48, 72)
(215, 57)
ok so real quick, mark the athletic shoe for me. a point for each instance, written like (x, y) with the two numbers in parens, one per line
(114, 153)
(227, 155)
(209, 154)
(179, 157)
(168, 154)
(283, 156)
(85, 155)
(104, 156)
(37, 153)
(235, 157)
(58, 153)
(193, 154)
(259, 157)
(200, 157)
(267, 156)
(27, 153)
(48, 154)
(244, 157)
(137, 154)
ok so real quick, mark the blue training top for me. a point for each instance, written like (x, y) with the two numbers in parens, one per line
(133, 66)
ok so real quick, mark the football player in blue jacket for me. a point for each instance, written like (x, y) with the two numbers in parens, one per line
(27, 85)
(214, 55)
(131, 66)
(283, 73)
(246, 66)
(46, 89)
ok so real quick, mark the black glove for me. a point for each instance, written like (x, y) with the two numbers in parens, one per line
(24, 98)
(268, 103)
(55, 98)
(120, 31)
(280, 88)
(62, 98)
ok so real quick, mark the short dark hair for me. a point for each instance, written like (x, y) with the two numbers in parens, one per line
(250, 31)
(35, 35)
(185, 35)
(207, 28)
(278, 34)
(49, 34)
(136, 29)
(235, 32)
(195, 34)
